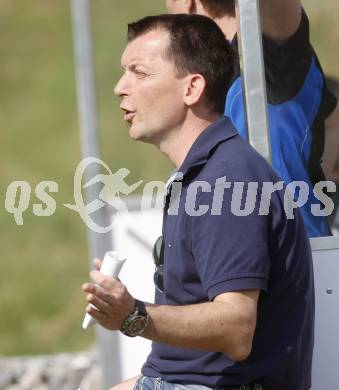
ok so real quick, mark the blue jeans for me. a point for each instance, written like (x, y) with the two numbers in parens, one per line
(148, 383)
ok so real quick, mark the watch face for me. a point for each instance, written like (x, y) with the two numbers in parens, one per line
(137, 325)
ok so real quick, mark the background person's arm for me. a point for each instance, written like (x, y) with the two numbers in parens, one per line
(286, 48)
(280, 18)
(330, 162)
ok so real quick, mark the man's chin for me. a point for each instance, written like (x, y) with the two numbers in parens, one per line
(140, 134)
(136, 135)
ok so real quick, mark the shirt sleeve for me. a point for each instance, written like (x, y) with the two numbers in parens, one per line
(287, 64)
(231, 252)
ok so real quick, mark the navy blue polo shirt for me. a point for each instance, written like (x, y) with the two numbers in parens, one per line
(213, 248)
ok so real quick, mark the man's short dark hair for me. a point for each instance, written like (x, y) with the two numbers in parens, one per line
(219, 8)
(197, 45)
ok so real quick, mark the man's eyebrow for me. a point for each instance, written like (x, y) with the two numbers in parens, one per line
(133, 65)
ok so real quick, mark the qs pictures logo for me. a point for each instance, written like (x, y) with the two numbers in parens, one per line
(239, 198)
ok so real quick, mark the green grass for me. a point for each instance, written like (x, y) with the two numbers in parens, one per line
(44, 262)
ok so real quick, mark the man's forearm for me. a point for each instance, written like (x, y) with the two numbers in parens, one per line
(225, 325)
(212, 326)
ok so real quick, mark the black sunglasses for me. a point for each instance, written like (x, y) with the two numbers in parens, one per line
(158, 258)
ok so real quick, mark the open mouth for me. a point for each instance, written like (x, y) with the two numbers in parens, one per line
(128, 115)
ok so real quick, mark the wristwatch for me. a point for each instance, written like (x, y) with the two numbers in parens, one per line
(136, 322)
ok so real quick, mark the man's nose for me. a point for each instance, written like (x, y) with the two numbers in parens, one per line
(121, 87)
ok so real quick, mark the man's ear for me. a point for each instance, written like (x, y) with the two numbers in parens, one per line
(195, 88)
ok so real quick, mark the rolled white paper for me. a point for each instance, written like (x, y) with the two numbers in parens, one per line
(110, 266)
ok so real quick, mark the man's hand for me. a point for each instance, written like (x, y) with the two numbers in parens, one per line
(110, 298)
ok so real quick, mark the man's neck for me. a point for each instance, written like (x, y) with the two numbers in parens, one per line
(180, 140)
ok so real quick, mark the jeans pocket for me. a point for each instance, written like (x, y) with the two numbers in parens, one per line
(148, 383)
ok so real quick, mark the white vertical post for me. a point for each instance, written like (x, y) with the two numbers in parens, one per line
(253, 75)
(98, 244)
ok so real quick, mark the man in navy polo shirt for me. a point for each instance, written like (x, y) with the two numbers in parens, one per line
(234, 303)
(303, 112)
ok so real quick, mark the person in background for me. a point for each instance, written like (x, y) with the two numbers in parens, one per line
(234, 301)
(303, 113)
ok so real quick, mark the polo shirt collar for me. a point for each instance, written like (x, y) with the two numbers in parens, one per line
(219, 131)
